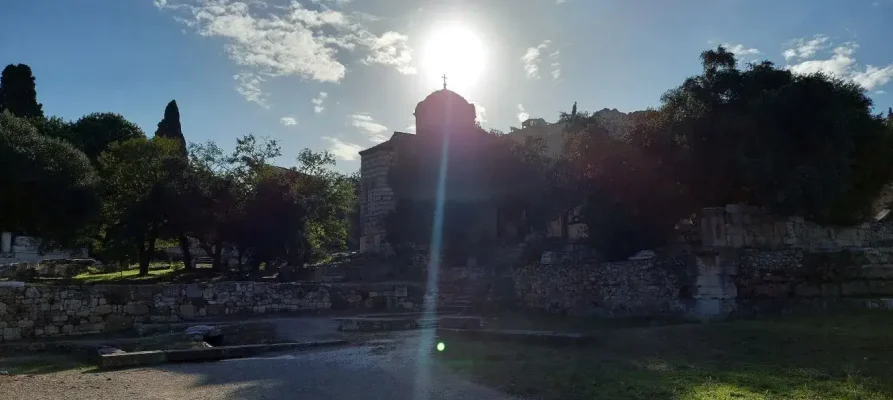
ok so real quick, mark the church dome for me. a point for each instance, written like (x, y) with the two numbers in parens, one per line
(444, 109)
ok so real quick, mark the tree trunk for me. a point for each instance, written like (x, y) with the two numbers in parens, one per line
(218, 262)
(147, 252)
(187, 254)
(143, 260)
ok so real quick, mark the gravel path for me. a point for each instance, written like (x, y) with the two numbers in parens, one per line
(381, 369)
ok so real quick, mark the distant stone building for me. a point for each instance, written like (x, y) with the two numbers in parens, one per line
(442, 112)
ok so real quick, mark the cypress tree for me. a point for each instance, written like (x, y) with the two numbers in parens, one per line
(18, 92)
(169, 127)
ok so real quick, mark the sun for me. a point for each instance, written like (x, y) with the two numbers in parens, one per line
(457, 52)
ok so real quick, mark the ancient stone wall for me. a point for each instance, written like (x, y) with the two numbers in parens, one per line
(796, 279)
(629, 288)
(35, 311)
(738, 226)
(745, 263)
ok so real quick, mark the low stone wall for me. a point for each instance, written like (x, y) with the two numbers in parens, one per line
(793, 279)
(714, 284)
(43, 310)
(629, 288)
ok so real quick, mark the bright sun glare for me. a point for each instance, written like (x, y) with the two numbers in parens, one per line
(457, 52)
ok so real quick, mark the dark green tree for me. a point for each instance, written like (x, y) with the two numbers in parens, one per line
(94, 133)
(329, 197)
(49, 188)
(138, 175)
(18, 92)
(804, 145)
(227, 182)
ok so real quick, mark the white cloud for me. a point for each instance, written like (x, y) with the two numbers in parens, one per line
(806, 48)
(288, 121)
(843, 64)
(880, 92)
(740, 50)
(343, 150)
(531, 59)
(249, 87)
(318, 101)
(369, 126)
(392, 49)
(840, 63)
(522, 113)
(291, 39)
(410, 128)
(480, 113)
(556, 66)
(378, 138)
(874, 77)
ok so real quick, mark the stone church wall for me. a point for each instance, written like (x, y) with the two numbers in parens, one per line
(33, 311)
(376, 200)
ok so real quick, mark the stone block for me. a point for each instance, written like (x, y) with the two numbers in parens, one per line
(72, 304)
(713, 309)
(187, 311)
(193, 291)
(881, 271)
(460, 322)
(880, 287)
(102, 310)
(136, 309)
(216, 309)
(12, 333)
(118, 360)
(856, 288)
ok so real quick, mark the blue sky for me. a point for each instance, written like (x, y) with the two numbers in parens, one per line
(252, 66)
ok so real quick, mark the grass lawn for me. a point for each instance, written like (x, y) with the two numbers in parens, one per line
(832, 357)
(159, 273)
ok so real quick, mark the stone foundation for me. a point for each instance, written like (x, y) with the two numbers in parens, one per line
(35, 311)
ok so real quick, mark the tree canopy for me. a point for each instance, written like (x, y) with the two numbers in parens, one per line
(138, 176)
(49, 187)
(804, 145)
(18, 92)
(95, 132)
